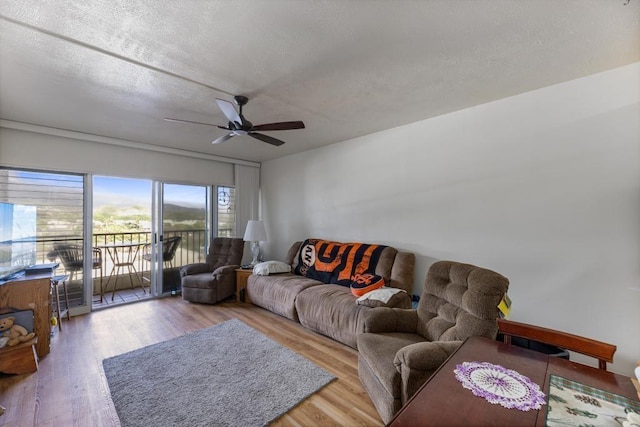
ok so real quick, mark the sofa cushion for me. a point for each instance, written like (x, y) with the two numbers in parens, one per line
(332, 311)
(291, 257)
(278, 293)
(402, 270)
(364, 283)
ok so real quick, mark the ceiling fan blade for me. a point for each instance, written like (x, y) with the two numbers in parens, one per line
(229, 111)
(223, 138)
(169, 119)
(280, 126)
(267, 139)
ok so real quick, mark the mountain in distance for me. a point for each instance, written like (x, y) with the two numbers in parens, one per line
(179, 213)
(110, 218)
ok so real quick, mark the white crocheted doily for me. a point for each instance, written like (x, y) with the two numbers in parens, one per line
(499, 385)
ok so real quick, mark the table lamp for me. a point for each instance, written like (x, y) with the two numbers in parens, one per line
(255, 233)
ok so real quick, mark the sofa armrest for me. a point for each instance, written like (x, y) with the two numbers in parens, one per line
(384, 319)
(225, 269)
(417, 362)
(425, 356)
(196, 268)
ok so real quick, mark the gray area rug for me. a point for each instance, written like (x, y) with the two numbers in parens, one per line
(226, 375)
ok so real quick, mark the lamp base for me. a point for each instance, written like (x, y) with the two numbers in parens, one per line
(255, 251)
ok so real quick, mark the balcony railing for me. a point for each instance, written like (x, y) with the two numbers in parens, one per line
(192, 248)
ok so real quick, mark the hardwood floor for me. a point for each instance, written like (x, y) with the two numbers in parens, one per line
(70, 388)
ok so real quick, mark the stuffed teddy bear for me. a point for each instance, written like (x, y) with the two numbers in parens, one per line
(15, 333)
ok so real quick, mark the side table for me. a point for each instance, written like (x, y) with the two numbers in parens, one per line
(242, 274)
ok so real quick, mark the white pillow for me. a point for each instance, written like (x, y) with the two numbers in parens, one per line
(271, 267)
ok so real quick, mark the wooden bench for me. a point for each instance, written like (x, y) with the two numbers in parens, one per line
(19, 359)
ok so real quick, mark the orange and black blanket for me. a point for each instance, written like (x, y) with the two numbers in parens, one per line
(334, 262)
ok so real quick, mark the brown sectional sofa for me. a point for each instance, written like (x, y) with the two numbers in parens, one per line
(330, 308)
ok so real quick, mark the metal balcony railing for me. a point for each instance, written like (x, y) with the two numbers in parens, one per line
(192, 248)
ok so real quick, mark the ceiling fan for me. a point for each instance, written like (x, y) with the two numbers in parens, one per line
(238, 125)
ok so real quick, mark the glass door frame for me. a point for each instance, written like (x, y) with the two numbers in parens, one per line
(157, 231)
(87, 248)
(155, 267)
(156, 236)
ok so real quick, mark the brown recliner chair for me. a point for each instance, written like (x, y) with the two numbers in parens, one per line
(401, 348)
(214, 280)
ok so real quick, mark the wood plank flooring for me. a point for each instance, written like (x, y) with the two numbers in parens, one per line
(70, 388)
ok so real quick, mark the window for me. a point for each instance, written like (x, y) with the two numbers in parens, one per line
(226, 211)
(42, 220)
(44, 211)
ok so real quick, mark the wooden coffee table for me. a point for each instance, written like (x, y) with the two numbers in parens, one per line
(442, 401)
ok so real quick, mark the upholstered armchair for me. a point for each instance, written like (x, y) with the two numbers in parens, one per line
(214, 280)
(401, 348)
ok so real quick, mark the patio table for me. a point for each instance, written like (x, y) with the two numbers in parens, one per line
(123, 256)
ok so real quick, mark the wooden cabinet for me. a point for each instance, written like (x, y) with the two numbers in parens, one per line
(31, 293)
(242, 275)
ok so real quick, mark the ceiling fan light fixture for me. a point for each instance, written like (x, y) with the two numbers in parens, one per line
(238, 125)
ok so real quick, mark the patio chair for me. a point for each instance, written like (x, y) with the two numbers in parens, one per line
(73, 261)
(169, 248)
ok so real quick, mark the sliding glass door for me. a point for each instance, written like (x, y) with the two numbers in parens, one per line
(182, 229)
(117, 239)
(146, 230)
(181, 235)
(122, 227)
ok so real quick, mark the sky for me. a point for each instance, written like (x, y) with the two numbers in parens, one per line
(116, 191)
(121, 192)
(127, 192)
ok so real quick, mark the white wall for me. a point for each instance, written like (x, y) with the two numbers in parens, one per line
(543, 187)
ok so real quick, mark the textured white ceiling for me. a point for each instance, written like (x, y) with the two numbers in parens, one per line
(345, 68)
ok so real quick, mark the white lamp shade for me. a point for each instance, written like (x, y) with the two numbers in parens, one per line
(255, 232)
